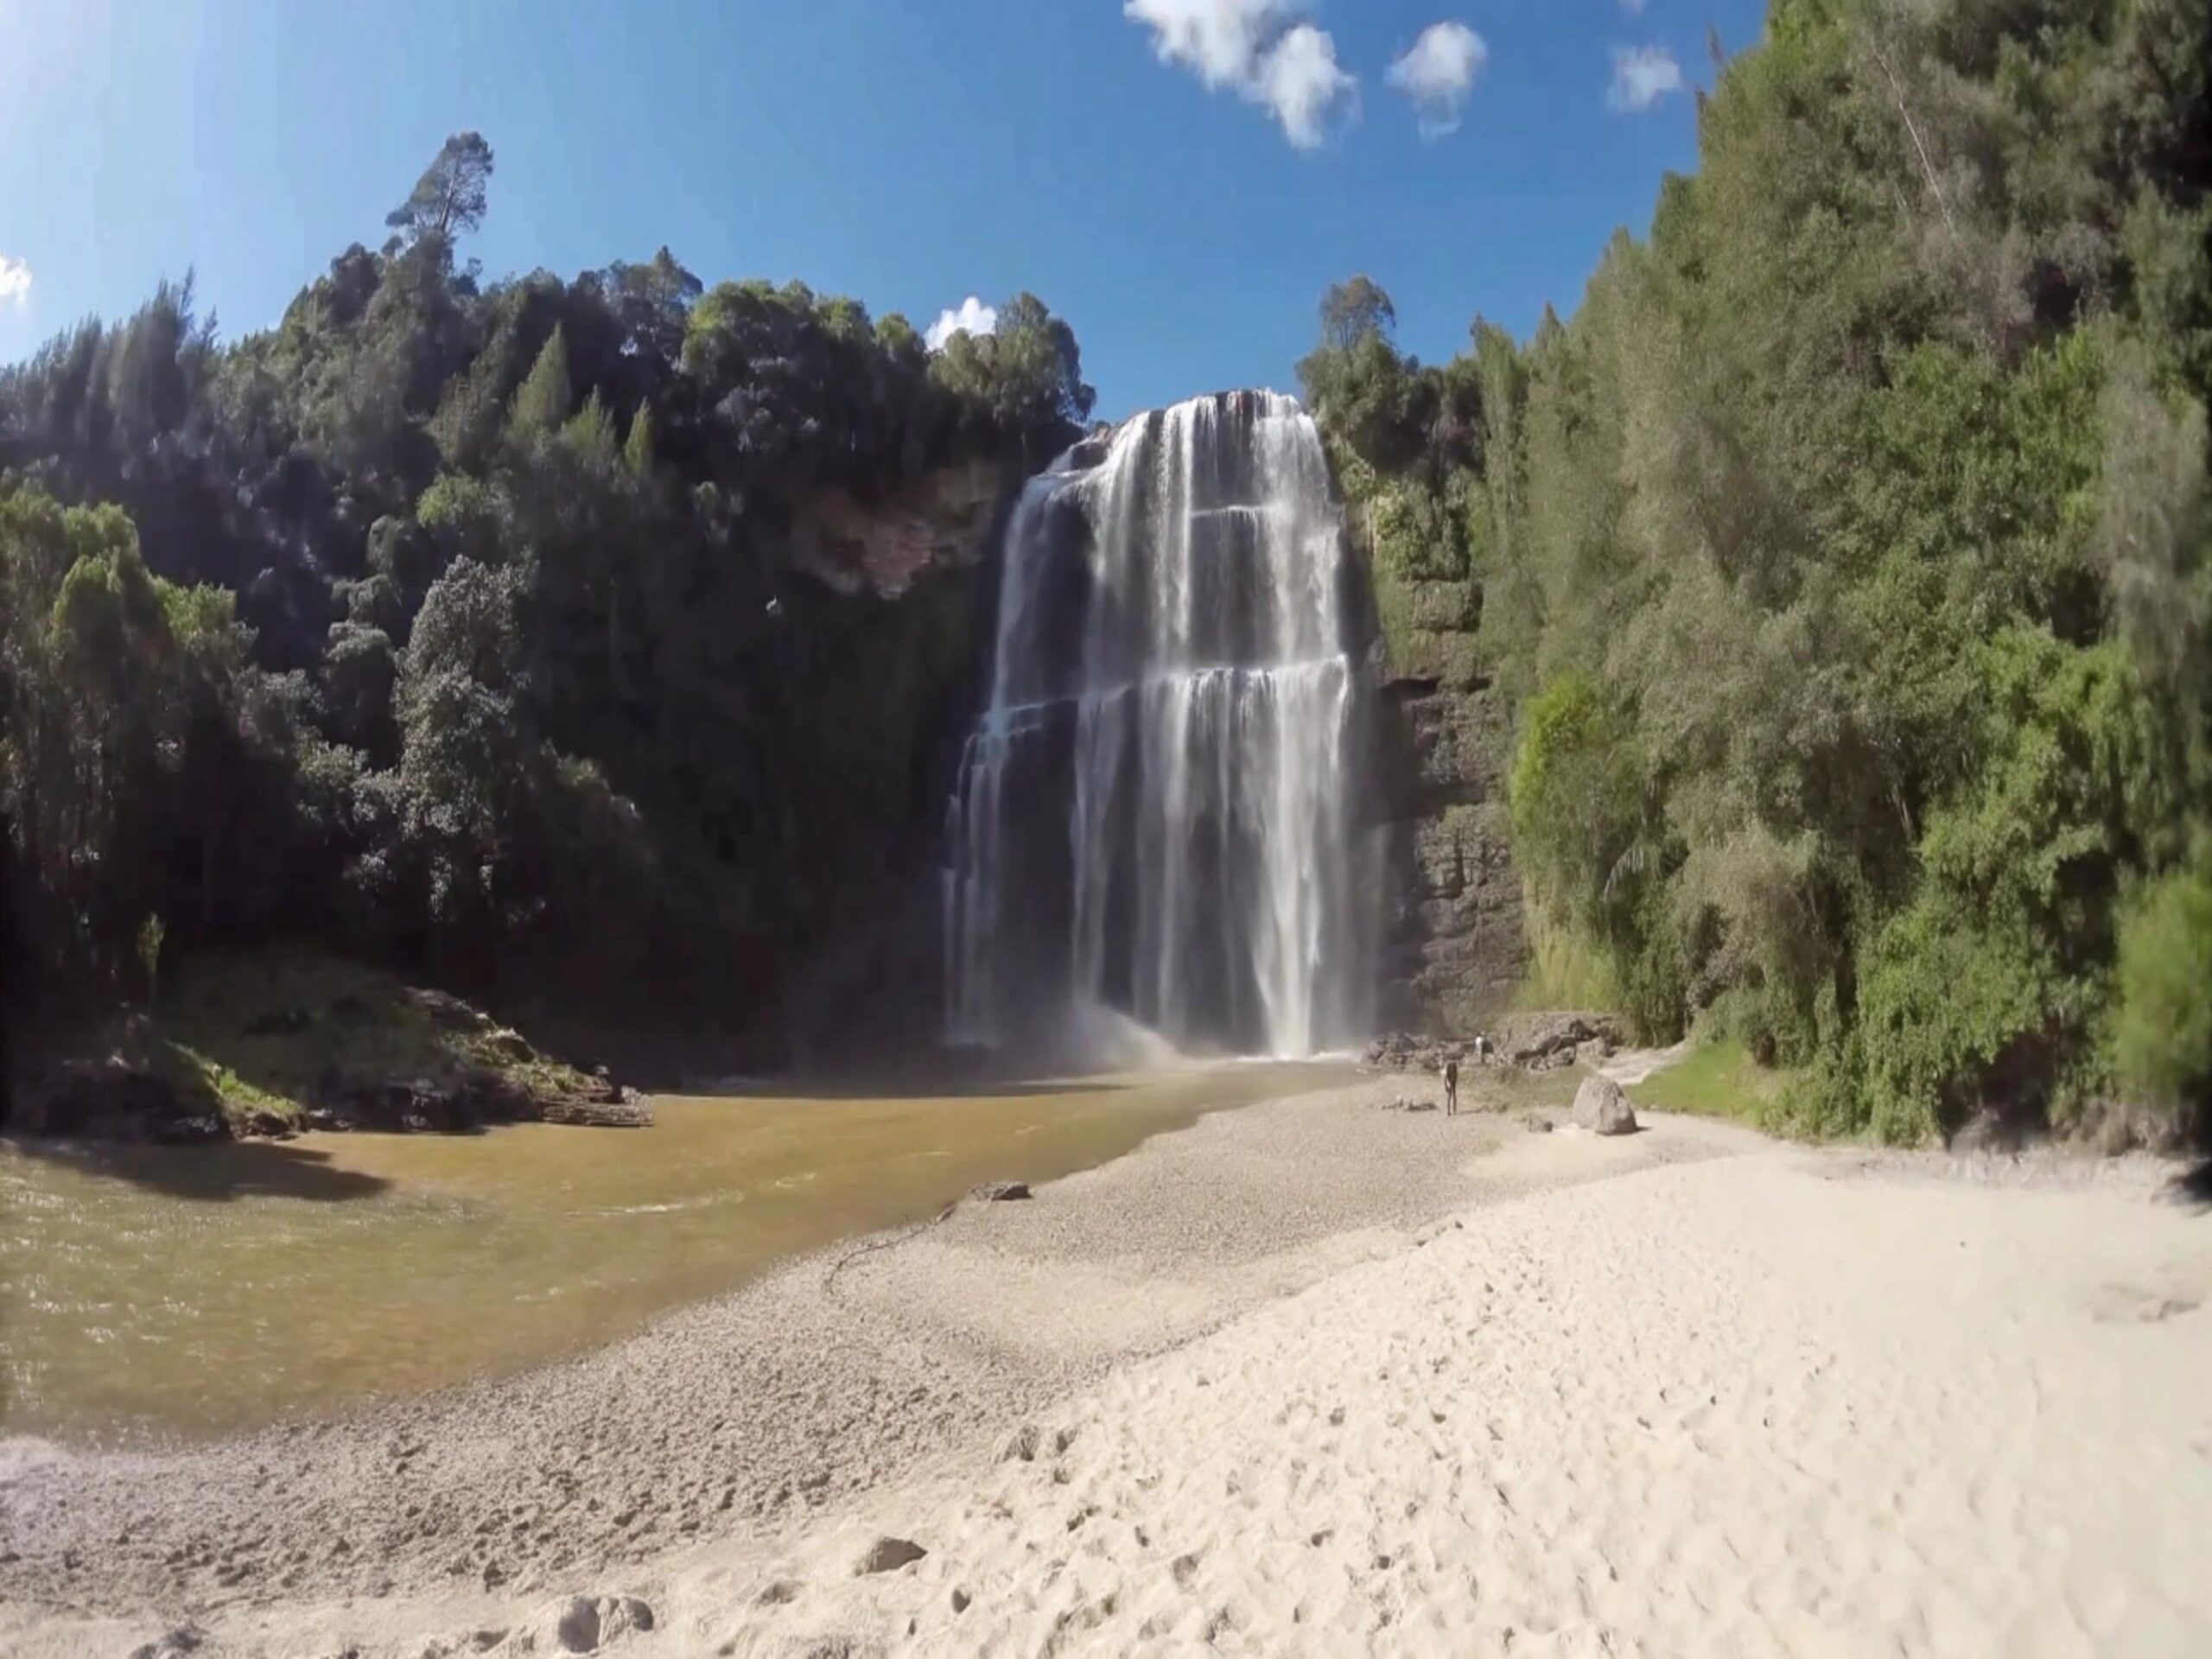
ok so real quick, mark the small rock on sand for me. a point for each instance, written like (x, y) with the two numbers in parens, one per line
(587, 1624)
(888, 1555)
(1001, 1191)
(1601, 1108)
(577, 1629)
(1536, 1123)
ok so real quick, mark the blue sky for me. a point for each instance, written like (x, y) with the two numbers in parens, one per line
(1179, 178)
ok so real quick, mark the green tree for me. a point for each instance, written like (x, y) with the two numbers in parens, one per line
(544, 400)
(450, 199)
(467, 742)
(1028, 373)
(1355, 311)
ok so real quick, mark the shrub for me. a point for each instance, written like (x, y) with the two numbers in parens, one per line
(2163, 1034)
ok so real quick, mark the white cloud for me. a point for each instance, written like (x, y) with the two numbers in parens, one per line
(972, 317)
(1642, 76)
(1301, 81)
(1438, 71)
(1220, 39)
(1258, 48)
(14, 280)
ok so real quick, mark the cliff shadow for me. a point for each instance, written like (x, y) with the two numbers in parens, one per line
(222, 1173)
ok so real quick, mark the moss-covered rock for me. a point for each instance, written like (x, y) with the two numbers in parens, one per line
(264, 1042)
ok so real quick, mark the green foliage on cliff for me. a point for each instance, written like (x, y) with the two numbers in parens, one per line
(1845, 556)
(454, 623)
(2163, 1035)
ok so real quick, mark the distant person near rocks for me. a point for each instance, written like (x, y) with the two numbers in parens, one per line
(1451, 1088)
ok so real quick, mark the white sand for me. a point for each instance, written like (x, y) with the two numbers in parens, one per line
(1729, 1407)
(1773, 1402)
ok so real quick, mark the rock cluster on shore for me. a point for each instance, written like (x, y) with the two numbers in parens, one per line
(109, 1100)
(1537, 1042)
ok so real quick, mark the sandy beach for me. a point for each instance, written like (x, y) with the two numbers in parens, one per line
(1310, 1377)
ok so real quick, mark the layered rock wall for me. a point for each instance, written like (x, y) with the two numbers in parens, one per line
(1455, 949)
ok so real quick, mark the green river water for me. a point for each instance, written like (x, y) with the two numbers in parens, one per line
(198, 1291)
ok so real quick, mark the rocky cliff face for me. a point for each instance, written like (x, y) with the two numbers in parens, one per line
(945, 520)
(1455, 949)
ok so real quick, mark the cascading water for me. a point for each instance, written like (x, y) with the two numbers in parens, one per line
(1155, 813)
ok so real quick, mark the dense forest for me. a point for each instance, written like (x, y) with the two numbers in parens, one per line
(1844, 560)
(448, 624)
(1844, 564)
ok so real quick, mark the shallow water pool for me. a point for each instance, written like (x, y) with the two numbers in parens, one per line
(198, 1291)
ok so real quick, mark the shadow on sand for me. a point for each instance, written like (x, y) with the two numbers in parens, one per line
(2193, 1186)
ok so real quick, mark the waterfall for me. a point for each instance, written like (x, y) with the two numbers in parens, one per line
(1154, 812)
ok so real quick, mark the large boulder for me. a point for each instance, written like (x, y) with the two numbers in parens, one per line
(1602, 1108)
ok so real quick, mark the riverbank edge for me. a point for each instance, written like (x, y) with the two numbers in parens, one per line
(61, 1620)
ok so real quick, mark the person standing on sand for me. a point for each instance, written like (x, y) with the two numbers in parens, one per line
(1451, 1088)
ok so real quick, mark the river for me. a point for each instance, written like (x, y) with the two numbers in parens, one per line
(193, 1292)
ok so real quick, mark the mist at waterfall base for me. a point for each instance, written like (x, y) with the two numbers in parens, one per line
(1153, 848)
